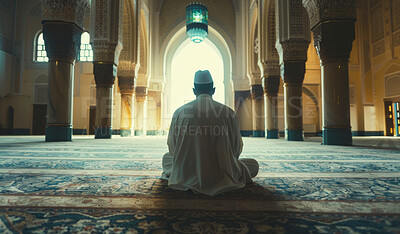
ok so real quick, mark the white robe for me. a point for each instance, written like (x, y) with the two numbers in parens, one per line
(204, 144)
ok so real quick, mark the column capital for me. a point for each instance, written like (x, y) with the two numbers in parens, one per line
(269, 68)
(293, 50)
(104, 74)
(126, 84)
(333, 40)
(126, 68)
(256, 92)
(106, 51)
(141, 93)
(293, 72)
(106, 31)
(62, 40)
(72, 11)
(271, 85)
(255, 78)
(326, 10)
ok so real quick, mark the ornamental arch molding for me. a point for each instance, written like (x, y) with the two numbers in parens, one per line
(392, 81)
(177, 38)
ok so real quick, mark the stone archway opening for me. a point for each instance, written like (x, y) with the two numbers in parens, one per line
(189, 58)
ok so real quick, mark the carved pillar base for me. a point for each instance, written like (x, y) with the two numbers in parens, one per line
(257, 103)
(333, 41)
(293, 76)
(104, 75)
(271, 89)
(62, 40)
(126, 86)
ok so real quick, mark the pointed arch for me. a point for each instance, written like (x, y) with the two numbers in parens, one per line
(173, 43)
(253, 43)
(129, 53)
(143, 52)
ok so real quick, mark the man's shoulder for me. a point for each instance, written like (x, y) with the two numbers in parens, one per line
(186, 106)
(225, 107)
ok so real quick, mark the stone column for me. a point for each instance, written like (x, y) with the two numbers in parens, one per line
(62, 29)
(141, 111)
(332, 23)
(293, 76)
(257, 106)
(293, 38)
(268, 62)
(104, 75)
(126, 87)
(271, 89)
(107, 45)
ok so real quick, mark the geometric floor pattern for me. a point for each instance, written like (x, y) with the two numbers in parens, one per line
(114, 186)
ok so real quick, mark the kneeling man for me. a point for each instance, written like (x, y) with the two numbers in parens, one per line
(204, 144)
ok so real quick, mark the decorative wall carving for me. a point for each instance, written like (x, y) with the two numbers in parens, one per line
(392, 85)
(292, 20)
(106, 23)
(101, 18)
(395, 15)
(293, 34)
(396, 39)
(126, 68)
(377, 27)
(72, 11)
(272, 54)
(297, 25)
(126, 36)
(323, 10)
(378, 48)
(103, 51)
(269, 68)
(293, 50)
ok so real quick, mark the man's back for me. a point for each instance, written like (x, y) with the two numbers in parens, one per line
(205, 143)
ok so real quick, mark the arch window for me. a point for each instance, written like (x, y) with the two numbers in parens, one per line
(41, 54)
(85, 52)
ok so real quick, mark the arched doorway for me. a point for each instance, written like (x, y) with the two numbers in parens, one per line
(189, 58)
(174, 43)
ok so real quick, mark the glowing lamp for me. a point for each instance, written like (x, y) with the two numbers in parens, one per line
(196, 22)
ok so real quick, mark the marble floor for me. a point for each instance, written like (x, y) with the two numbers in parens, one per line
(114, 185)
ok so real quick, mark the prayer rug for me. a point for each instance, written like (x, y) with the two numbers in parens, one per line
(114, 186)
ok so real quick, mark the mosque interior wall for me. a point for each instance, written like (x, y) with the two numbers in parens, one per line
(374, 67)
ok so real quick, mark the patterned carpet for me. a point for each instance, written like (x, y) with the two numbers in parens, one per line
(114, 186)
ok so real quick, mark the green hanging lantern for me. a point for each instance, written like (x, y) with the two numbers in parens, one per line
(196, 22)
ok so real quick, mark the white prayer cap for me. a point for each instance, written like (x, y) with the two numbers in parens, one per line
(203, 77)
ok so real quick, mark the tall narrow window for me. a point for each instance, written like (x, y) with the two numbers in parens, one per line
(41, 54)
(86, 52)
